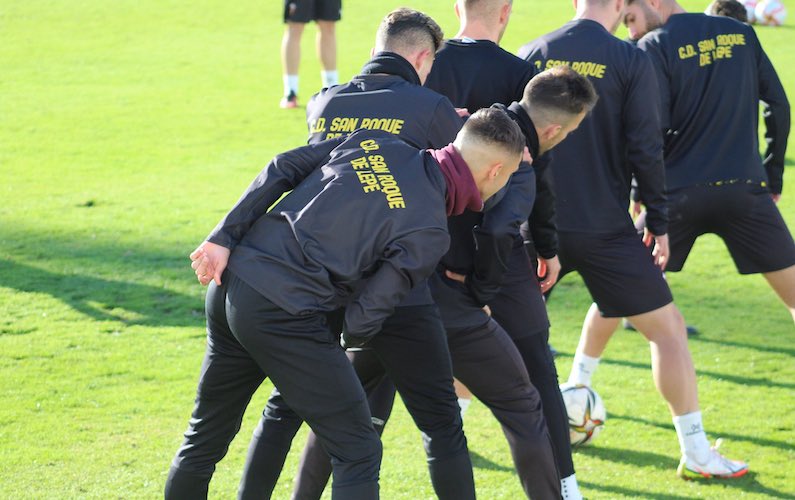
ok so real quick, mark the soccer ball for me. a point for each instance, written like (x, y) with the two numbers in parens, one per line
(750, 10)
(770, 13)
(586, 411)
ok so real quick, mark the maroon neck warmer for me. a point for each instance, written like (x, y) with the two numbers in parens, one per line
(462, 193)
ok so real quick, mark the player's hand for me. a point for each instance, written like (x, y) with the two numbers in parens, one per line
(209, 261)
(637, 208)
(462, 112)
(548, 269)
(526, 156)
(661, 250)
(455, 276)
(487, 310)
(776, 197)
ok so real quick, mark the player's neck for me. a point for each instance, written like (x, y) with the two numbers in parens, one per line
(477, 31)
(595, 14)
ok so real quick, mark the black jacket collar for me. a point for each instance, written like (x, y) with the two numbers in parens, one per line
(391, 64)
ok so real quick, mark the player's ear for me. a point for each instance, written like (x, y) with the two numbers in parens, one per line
(457, 12)
(505, 11)
(494, 170)
(619, 6)
(550, 131)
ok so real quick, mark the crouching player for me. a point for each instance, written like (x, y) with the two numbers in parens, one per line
(310, 254)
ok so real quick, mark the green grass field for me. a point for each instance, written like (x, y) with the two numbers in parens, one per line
(128, 128)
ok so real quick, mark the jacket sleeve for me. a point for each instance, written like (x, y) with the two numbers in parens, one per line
(282, 174)
(444, 126)
(776, 113)
(643, 132)
(495, 236)
(542, 222)
(406, 262)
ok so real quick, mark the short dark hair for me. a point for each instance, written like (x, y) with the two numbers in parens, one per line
(729, 8)
(408, 28)
(559, 90)
(494, 126)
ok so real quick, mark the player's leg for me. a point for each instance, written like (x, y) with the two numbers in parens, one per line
(314, 468)
(268, 449)
(326, 45)
(672, 366)
(229, 377)
(304, 360)
(327, 13)
(488, 363)
(624, 282)
(783, 283)
(464, 396)
(520, 309)
(297, 13)
(413, 348)
(271, 441)
(596, 333)
(757, 237)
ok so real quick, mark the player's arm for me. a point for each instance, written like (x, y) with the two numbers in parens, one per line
(495, 236)
(406, 262)
(542, 223)
(281, 175)
(776, 114)
(651, 47)
(644, 154)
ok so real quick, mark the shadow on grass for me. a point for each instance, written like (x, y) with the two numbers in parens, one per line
(736, 379)
(618, 490)
(630, 457)
(747, 483)
(105, 300)
(762, 348)
(731, 437)
(481, 462)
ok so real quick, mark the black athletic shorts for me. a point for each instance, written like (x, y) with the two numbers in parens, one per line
(743, 215)
(618, 271)
(303, 11)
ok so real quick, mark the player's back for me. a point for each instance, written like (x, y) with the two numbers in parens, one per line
(475, 74)
(385, 102)
(315, 248)
(709, 86)
(594, 165)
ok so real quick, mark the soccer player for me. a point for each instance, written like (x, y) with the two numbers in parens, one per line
(297, 13)
(594, 167)
(310, 254)
(484, 356)
(474, 71)
(387, 95)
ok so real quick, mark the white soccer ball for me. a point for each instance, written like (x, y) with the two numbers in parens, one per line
(586, 411)
(770, 13)
(750, 10)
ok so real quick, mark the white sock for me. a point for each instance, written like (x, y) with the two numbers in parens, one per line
(464, 403)
(290, 84)
(582, 369)
(329, 78)
(692, 438)
(569, 488)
